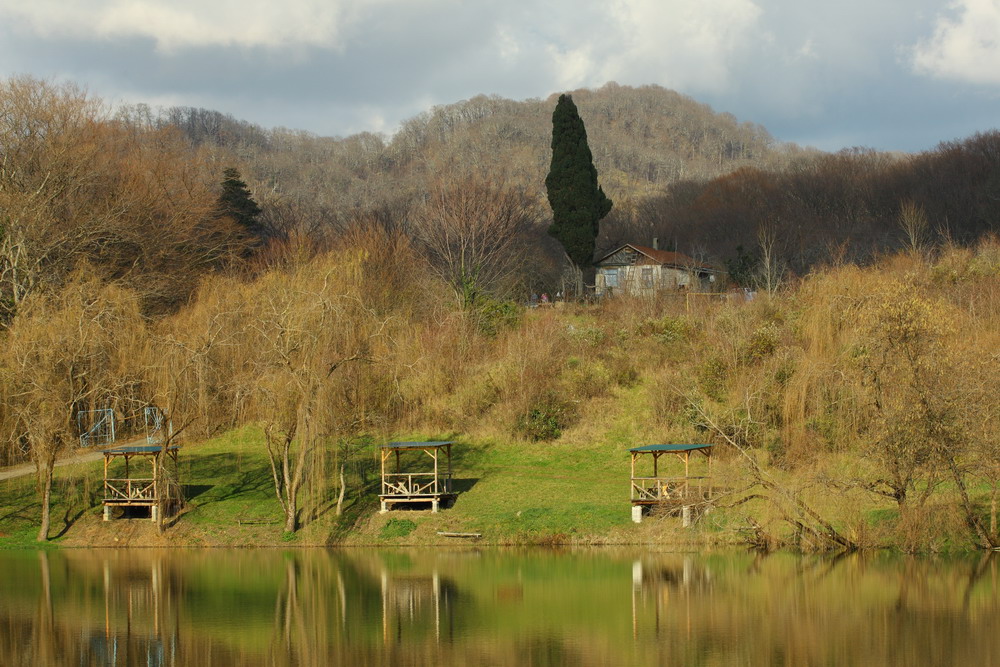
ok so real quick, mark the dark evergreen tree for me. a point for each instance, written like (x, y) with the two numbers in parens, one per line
(237, 203)
(743, 268)
(578, 202)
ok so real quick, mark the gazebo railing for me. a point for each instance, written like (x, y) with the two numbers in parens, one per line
(658, 489)
(415, 484)
(129, 490)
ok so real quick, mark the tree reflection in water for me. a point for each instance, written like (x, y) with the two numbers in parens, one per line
(541, 607)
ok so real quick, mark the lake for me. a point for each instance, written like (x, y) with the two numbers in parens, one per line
(494, 607)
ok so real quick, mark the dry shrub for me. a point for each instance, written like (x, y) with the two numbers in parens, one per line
(668, 388)
(364, 299)
(529, 369)
(631, 312)
(986, 262)
(938, 526)
(435, 359)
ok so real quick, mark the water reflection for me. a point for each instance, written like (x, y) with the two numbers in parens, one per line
(662, 584)
(411, 602)
(590, 607)
(135, 603)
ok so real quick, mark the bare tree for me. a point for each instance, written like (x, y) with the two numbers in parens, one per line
(309, 325)
(473, 233)
(913, 222)
(771, 272)
(61, 351)
(927, 402)
(77, 186)
(182, 358)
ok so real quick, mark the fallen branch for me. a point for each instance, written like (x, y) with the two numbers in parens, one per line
(825, 530)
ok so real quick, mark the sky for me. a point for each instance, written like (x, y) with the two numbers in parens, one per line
(886, 74)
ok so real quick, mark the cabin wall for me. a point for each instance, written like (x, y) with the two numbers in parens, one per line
(642, 279)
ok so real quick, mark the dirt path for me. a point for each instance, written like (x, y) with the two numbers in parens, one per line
(25, 469)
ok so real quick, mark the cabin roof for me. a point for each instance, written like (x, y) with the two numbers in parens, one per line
(671, 448)
(664, 257)
(417, 445)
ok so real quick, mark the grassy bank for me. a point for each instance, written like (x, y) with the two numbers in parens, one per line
(510, 492)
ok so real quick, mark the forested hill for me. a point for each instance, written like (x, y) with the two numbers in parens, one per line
(702, 181)
(642, 139)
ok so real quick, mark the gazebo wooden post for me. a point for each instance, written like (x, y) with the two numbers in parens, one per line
(382, 455)
(709, 455)
(107, 508)
(434, 503)
(631, 492)
(435, 457)
(155, 507)
(687, 477)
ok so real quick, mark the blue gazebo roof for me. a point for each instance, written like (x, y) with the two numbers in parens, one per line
(671, 448)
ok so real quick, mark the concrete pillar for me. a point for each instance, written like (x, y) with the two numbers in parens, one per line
(384, 508)
(153, 512)
(107, 512)
(686, 516)
(637, 513)
(434, 506)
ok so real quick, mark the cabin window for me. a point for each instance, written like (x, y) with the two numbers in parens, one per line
(611, 278)
(647, 276)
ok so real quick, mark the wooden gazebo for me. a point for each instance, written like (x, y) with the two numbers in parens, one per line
(143, 483)
(422, 486)
(671, 491)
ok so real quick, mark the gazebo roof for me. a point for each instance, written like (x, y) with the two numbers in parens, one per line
(431, 444)
(671, 448)
(125, 450)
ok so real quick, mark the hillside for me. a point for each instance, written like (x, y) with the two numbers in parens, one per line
(853, 409)
(703, 182)
(642, 138)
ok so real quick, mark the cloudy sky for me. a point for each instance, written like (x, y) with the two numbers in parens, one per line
(888, 74)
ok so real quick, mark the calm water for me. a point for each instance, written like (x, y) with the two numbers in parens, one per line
(493, 607)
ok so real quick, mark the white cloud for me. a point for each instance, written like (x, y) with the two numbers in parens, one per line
(183, 23)
(965, 47)
(679, 43)
(572, 67)
(508, 47)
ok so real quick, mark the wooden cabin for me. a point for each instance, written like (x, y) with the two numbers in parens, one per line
(640, 270)
(144, 482)
(670, 491)
(426, 480)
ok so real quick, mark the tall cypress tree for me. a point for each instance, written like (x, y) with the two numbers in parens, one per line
(236, 202)
(578, 202)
